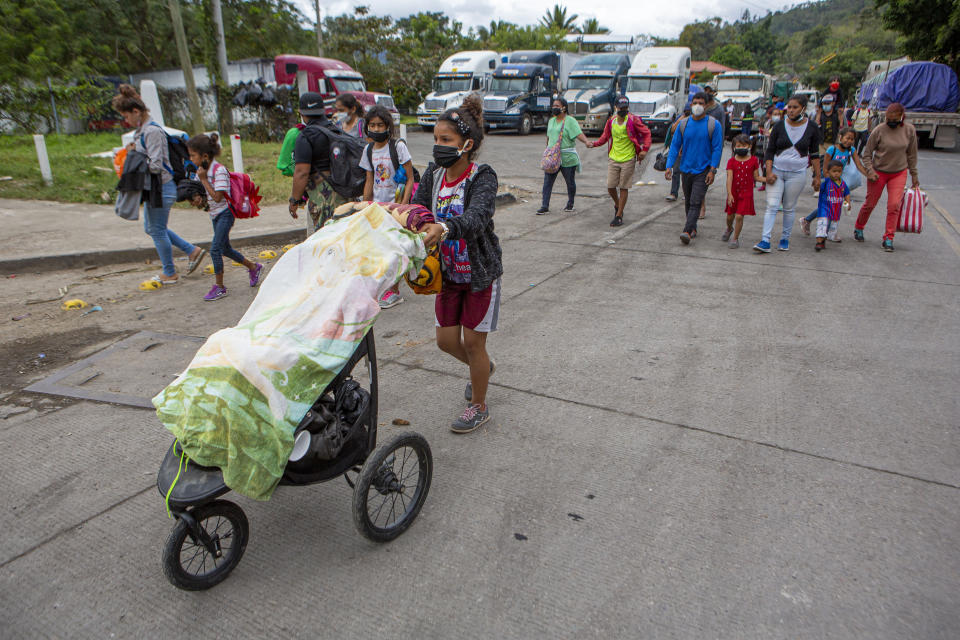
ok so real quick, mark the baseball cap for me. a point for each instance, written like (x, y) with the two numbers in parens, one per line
(828, 98)
(623, 101)
(311, 104)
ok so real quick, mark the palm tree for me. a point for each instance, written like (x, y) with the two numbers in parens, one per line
(556, 19)
(592, 25)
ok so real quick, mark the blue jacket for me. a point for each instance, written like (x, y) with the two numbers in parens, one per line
(700, 152)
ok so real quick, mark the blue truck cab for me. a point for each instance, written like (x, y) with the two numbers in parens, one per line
(522, 89)
(593, 86)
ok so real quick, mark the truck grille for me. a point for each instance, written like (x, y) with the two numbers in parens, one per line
(436, 105)
(386, 102)
(579, 108)
(494, 104)
(642, 108)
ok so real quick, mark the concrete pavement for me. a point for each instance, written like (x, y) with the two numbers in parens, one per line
(686, 442)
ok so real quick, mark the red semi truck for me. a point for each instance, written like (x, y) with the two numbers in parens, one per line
(330, 78)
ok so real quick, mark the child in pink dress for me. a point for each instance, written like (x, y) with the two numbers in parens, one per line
(743, 169)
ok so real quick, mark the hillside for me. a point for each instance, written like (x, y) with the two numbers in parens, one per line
(810, 15)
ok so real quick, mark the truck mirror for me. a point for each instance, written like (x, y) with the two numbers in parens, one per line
(291, 68)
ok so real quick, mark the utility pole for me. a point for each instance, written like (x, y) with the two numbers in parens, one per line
(192, 98)
(316, 4)
(226, 109)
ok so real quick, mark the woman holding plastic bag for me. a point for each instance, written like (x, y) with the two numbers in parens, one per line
(890, 152)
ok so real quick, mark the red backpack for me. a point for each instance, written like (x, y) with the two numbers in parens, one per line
(244, 196)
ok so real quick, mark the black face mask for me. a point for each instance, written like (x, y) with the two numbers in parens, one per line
(556, 111)
(797, 118)
(446, 156)
(622, 112)
(741, 151)
(379, 136)
(893, 124)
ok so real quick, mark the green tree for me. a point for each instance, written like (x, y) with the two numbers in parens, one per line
(734, 56)
(761, 44)
(557, 19)
(704, 37)
(929, 29)
(592, 25)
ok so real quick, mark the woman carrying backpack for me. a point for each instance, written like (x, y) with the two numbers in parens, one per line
(565, 132)
(151, 139)
(383, 159)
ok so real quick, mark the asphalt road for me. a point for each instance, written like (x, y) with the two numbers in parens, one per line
(686, 442)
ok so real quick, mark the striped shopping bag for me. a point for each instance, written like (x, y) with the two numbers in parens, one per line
(911, 211)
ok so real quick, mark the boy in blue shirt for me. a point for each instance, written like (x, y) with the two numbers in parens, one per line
(834, 194)
(700, 137)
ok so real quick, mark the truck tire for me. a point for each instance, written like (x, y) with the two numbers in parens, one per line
(525, 126)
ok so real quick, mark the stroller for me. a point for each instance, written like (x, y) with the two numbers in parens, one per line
(338, 436)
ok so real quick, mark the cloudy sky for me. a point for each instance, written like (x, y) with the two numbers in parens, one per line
(658, 17)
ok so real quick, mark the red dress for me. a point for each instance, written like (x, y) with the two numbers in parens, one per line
(742, 188)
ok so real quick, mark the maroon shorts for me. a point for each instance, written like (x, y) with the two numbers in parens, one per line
(478, 310)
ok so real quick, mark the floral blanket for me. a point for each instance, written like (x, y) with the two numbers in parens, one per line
(241, 398)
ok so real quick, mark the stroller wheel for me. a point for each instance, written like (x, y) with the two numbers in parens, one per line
(199, 562)
(392, 486)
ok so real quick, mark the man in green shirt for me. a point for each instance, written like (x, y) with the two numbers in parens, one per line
(629, 141)
(569, 158)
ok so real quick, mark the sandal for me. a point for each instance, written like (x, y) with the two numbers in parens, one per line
(163, 280)
(193, 264)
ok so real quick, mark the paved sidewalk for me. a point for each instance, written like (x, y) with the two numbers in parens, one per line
(65, 234)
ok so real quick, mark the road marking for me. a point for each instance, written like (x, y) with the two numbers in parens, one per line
(633, 226)
(949, 237)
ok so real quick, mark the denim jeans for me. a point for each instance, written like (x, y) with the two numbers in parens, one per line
(220, 246)
(785, 191)
(155, 226)
(569, 176)
(675, 182)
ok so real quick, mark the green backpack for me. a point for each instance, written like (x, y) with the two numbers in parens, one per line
(285, 161)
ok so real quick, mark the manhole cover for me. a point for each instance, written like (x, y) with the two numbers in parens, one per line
(129, 372)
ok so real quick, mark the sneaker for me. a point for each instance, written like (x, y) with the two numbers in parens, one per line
(784, 245)
(762, 247)
(255, 274)
(805, 226)
(468, 391)
(542, 210)
(390, 299)
(858, 235)
(834, 239)
(685, 238)
(471, 419)
(216, 292)
(671, 198)
(821, 245)
(734, 244)
(887, 245)
(617, 221)
(569, 209)
(726, 235)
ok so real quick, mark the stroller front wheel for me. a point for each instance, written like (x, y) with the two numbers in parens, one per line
(392, 486)
(199, 558)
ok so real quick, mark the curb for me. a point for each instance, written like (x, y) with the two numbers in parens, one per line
(36, 264)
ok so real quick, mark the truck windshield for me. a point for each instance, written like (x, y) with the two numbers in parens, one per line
(510, 84)
(449, 85)
(740, 84)
(649, 85)
(349, 84)
(588, 82)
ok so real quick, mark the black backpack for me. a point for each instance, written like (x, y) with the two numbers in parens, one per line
(181, 167)
(346, 177)
(394, 157)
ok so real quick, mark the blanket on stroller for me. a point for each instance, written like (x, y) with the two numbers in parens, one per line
(241, 398)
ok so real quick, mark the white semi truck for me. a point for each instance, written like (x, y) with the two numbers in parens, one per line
(747, 90)
(657, 86)
(461, 74)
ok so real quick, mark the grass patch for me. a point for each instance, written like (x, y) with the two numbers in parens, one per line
(77, 178)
